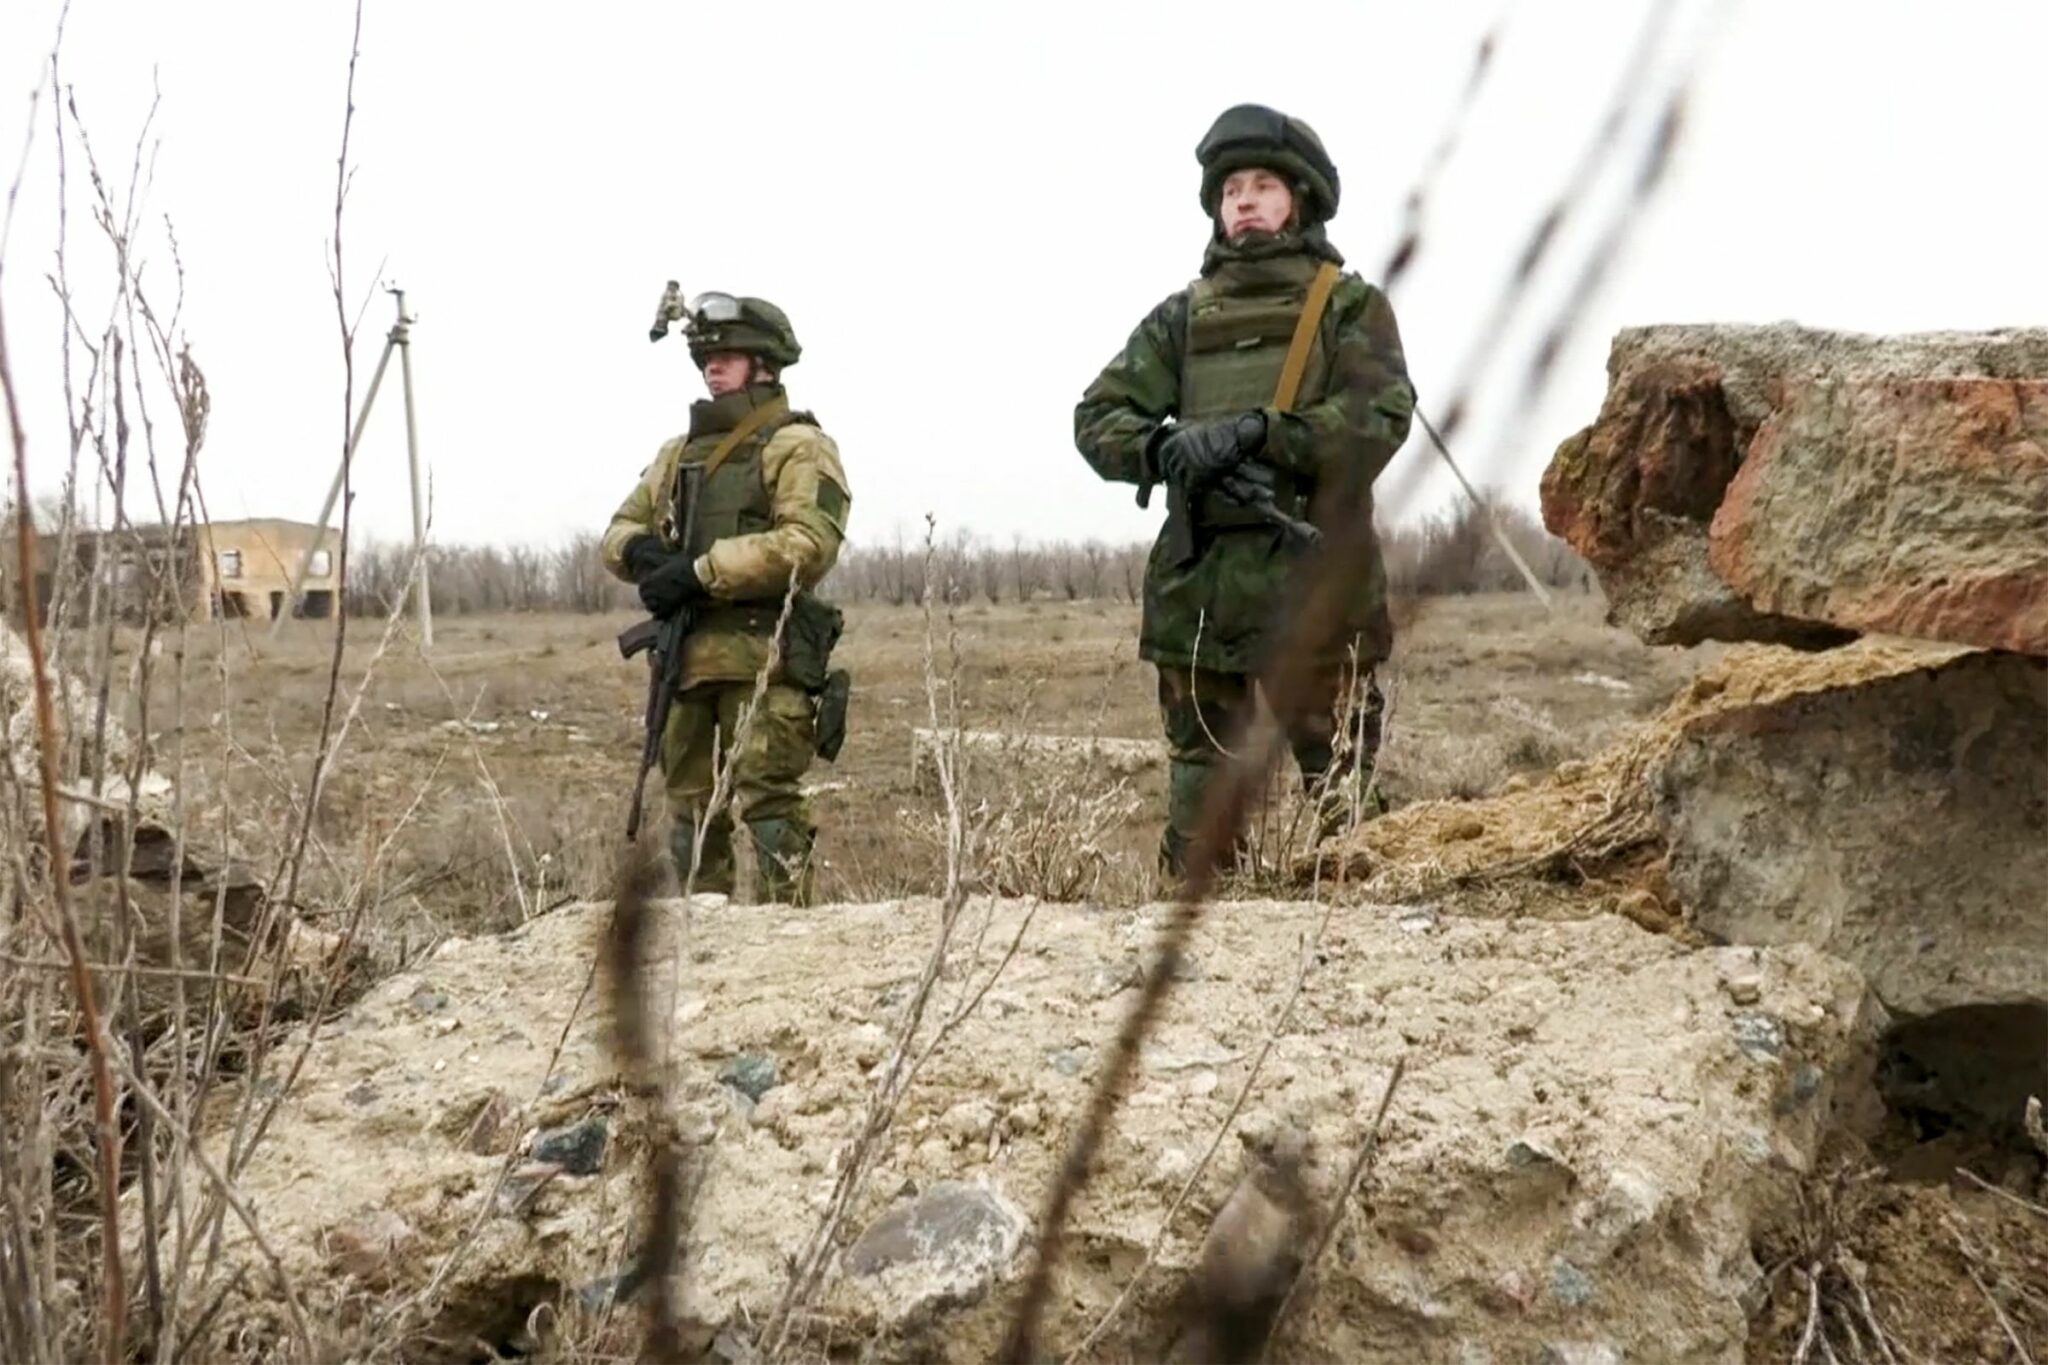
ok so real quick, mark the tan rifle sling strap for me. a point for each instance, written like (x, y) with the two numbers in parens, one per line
(1304, 337)
(751, 423)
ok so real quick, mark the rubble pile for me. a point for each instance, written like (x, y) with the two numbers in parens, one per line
(1591, 1122)
(1777, 483)
(1794, 486)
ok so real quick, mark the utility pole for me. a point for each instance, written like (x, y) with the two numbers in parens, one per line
(398, 339)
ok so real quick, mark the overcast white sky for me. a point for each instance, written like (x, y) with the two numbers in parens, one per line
(965, 207)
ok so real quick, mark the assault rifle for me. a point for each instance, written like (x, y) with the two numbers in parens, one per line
(1244, 490)
(665, 636)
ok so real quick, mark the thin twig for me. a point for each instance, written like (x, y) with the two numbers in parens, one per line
(127, 969)
(629, 944)
(488, 1205)
(140, 1088)
(2011, 1334)
(807, 1272)
(114, 1321)
(1367, 1148)
(1273, 1033)
(1806, 1337)
(2007, 1195)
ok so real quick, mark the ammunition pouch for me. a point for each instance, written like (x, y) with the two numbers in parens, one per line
(808, 640)
(832, 704)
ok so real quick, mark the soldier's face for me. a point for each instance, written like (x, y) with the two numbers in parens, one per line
(727, 372)
(1255, 200)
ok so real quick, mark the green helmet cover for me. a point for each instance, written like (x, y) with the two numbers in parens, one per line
(1253, 135)
(761, 330)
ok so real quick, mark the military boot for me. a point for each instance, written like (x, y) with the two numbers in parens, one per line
(1186, 787)
(782, 862)
(715, 870)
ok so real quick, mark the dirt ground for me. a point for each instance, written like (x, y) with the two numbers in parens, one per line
(488, 779)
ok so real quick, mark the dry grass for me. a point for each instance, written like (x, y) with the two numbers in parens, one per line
(543, 708)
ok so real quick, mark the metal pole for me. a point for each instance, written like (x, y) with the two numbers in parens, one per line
(291, 599)
(402, 335)
(1492, 522)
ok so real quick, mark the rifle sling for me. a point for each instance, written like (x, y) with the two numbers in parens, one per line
(1304, 339)
(751, 423)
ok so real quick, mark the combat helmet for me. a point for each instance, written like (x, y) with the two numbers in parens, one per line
(1253, 135)
(755, 327)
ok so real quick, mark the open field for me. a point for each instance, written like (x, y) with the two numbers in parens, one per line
(498, 766)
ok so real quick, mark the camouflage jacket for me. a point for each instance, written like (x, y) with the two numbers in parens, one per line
(804, 490)
(1213, 610)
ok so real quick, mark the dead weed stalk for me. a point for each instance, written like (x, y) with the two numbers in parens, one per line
(895, 1076)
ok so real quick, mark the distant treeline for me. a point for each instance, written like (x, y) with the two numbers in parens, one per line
(1449, 553)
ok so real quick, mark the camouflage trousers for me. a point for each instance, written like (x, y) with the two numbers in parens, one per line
(1205, 714)
(766, 786)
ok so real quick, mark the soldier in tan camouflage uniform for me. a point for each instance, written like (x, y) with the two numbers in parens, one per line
(773, 506)
(1273, 383)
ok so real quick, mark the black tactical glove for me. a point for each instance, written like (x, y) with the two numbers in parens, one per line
(672, 586)
(1194, 453)
(644, 554)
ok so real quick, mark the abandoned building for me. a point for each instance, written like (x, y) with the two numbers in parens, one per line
(221, 569)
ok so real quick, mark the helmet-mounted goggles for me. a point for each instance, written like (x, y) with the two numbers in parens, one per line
(707, 308)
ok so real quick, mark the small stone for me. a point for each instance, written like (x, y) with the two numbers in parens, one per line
(751, 1073)
(483, 1133)
(953, 1230)
(1025, 1118)
(1110, 981)
(1804, 1086)
(1645, 911)
(1170, 1168)
(607, 1290)
(1525, 1154)
(1630, 1201)
(427, 1000)
(1412, 1240)
(1202, 1053)
(1203, 1083)
(1744, 988)
(1580, 1353)
(362, 1093)
(1067, 1061)
(1570, 1283)
(774, 1109)
(1760, 1037)
(1512, 1290)
(577, 1148)
(968, 1122)
(362, 1247)
(868, 1044)
(734, 1348)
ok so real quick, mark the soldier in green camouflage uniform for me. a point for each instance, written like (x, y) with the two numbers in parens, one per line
(773, 504)
(1192, 401)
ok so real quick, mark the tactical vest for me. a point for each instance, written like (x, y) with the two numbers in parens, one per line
(1231, 357)
(733, 501)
